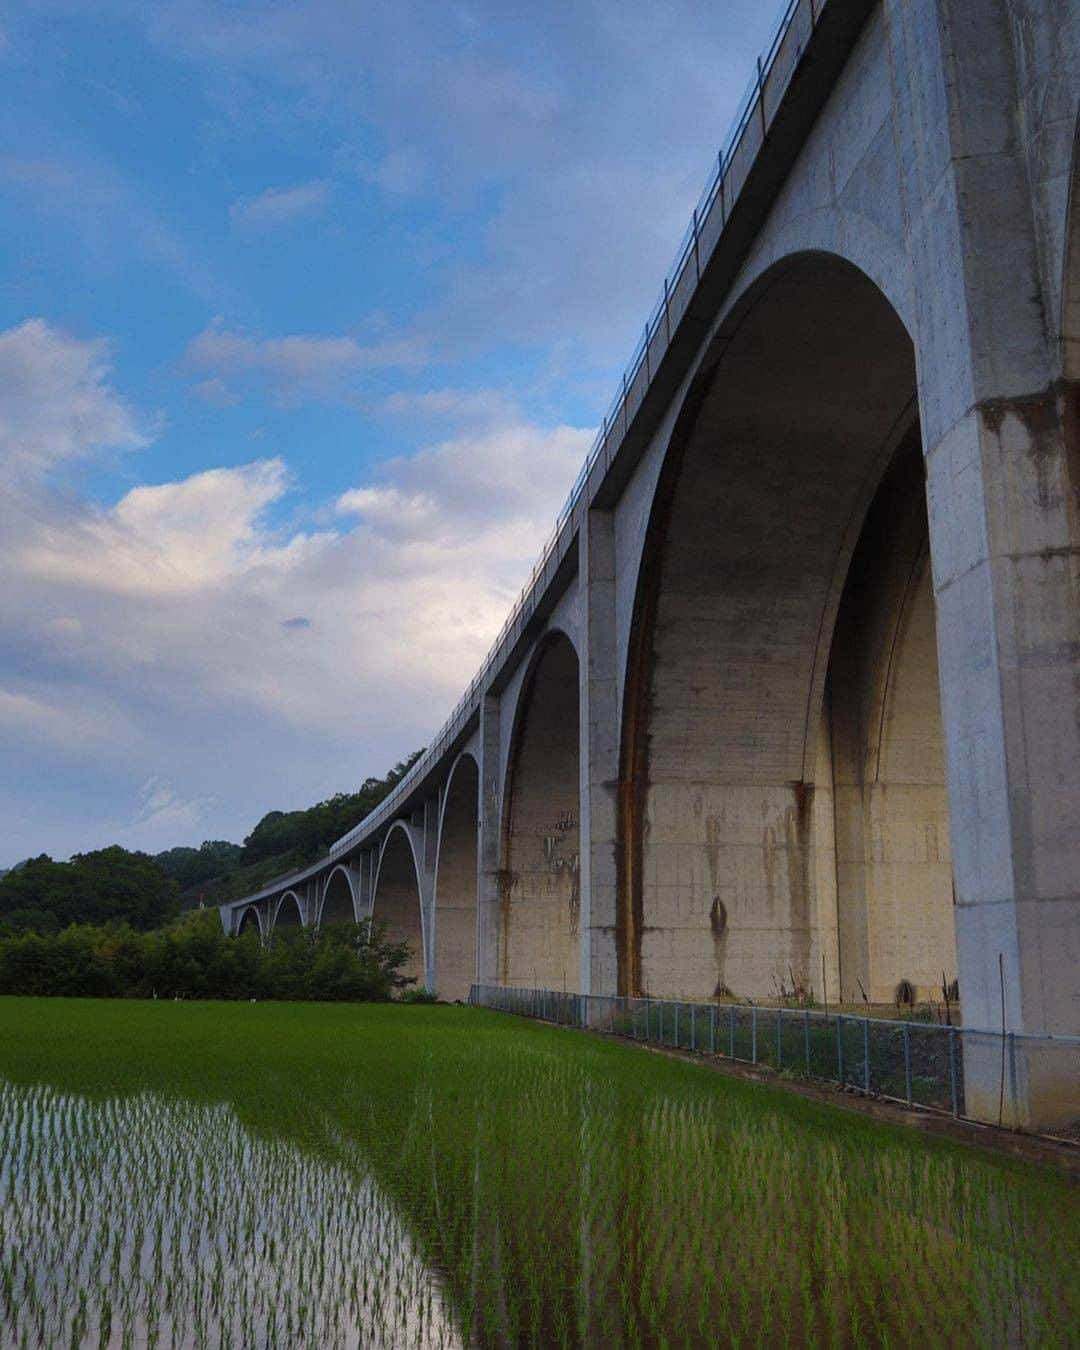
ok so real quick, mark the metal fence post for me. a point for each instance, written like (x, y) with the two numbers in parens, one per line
(675, 1042)
(907, 1062)
(753, 1035)
(731, 1030)
(779, 1038)
(693, 1028)
(840, 1047)
(952, 1072)
(866, 1054)
(712, 1030)
(697, 259)
(806, 1038)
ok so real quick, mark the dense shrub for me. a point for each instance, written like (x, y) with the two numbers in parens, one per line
(194, 959)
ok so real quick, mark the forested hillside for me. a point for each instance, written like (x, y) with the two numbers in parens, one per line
(40, 895)
(280, 842)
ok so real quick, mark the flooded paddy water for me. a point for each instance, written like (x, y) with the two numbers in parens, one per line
(299, 1175)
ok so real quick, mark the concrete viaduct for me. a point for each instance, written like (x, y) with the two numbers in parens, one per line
(793, 694)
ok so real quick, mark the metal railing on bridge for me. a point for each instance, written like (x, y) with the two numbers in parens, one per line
(919, 1063)
(652, 344)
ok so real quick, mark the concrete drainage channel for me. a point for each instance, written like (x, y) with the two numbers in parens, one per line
(914, 1064)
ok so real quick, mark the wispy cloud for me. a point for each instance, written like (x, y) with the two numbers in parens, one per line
(280, 206)
(574, 149)
(56, 403)
(295, 366)
(108, 216)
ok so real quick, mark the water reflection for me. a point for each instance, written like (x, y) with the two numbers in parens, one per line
(435, 1178)
(144, 1221)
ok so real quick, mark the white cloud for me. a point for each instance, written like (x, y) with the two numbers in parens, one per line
(215, 392)
(279, 206)
(182, 588)
(477, 407)
(55, 402)
(139, 635)
(295, 366)
(168, 539)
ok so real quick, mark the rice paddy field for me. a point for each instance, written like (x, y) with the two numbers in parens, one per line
(207, 1174)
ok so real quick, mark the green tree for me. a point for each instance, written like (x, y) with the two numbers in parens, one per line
(192, 958)
(108, 884)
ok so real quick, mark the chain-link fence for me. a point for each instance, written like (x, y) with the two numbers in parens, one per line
(981, 1075)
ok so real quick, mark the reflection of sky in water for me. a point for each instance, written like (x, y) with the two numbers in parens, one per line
(143, 1220)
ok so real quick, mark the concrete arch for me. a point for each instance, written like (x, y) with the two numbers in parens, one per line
(338, 901)
(456, 881)
(727, 855)
(825, 232)
(882, 744)
(251, 923)
(398, 903)
(539, 896)
(288, 913)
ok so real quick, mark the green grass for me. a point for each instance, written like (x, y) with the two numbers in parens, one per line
(261, 1174)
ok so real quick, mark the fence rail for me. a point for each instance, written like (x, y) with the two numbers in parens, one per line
(920, 1063)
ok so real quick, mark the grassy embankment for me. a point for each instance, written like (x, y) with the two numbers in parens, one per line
(537, 1188)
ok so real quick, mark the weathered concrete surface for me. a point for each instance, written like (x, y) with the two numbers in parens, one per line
(813, 718)
(539, 883)
(456, 871)
(398, 900)
(892, 868)
(755, 520)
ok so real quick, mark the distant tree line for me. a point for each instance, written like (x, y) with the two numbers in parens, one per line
(194, 959)
(144, 892)
(109, 885)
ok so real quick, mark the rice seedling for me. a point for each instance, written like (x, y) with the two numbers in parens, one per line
(294, 1175)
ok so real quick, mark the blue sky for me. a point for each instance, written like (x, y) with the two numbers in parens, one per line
(307, 314)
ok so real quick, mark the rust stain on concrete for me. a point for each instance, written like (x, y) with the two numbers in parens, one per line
(718, 922)
(800, 821)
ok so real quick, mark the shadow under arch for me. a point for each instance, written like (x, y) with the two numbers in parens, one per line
(397, 902)
(456, 881)
(539, 897)
(251, 923)
(338, 904)
(288, 914)
(729, 871)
